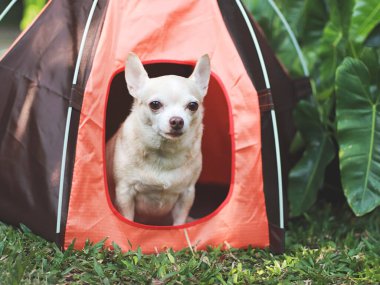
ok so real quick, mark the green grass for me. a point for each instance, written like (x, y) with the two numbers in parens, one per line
(328, 246)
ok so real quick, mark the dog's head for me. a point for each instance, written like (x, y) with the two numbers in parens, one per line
(171, 105)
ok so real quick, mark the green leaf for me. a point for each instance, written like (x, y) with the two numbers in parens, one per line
(25, 229)
(371, 59)
(358, 116)
(294, 11)
(331, 51)
(297, 143)
(340, 12)
(333, 45)
(307, 177)
(98, 269)
(314, 18)
(307, 18)
(171, 257)
(365, 16)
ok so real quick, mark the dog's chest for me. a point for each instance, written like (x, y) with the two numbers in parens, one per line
(165, 162)
(164, 176)
(161, 182)
(155, 197)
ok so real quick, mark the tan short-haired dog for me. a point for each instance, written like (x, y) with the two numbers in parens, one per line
(154, 159)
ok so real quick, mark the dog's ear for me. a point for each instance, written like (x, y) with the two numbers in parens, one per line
(201, 74)
(135, 74)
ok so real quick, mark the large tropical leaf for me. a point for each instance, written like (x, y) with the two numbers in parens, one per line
(371, 59)
(358, 117)
(331, 51)
(340, 12)
(366, 15)
(333, 45)
(307, 177)
(334, 40)
(314, 18)
(306, 17)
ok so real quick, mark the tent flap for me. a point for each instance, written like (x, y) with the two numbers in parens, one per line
(36, 75)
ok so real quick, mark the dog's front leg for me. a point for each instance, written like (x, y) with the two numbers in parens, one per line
(125, 201)
(182, 206)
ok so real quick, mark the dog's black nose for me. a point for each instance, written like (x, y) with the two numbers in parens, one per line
(176, 123)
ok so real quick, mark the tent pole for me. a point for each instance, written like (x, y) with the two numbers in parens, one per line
(68, 119)
(273, 113)
(6, 10)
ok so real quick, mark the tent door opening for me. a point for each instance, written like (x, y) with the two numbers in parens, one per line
(214, 183)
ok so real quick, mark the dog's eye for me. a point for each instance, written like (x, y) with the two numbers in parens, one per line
(155, 105)
(193, 106)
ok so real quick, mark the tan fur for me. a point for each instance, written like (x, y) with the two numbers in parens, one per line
(153, 171)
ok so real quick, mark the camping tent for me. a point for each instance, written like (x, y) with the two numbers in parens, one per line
(63, 95)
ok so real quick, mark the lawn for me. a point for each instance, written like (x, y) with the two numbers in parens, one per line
(327, 246)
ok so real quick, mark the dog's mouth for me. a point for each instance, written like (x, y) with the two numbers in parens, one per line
(173, 134)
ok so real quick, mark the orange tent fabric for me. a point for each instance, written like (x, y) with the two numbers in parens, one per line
(167, 31)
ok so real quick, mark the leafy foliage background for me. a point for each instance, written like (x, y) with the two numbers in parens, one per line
(340, 40)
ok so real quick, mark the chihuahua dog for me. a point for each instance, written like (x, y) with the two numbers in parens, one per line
(154, 159)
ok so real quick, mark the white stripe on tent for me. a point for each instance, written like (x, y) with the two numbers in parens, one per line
(273, 114)
(279, 169)
(63, 167)
(87, 27)
(292, 37)
(6, 10)
(68, 119)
